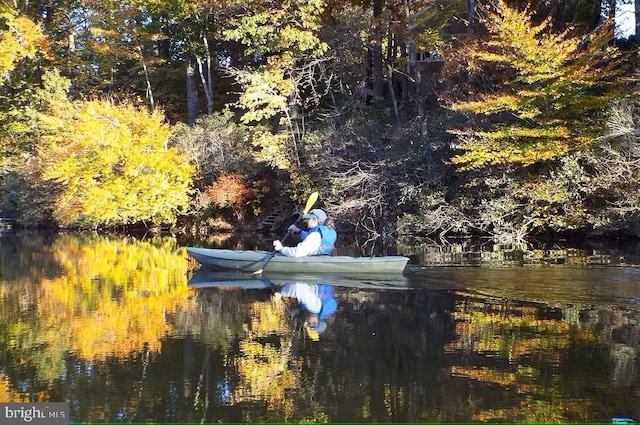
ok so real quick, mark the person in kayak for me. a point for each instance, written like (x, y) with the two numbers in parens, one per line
(319, 239)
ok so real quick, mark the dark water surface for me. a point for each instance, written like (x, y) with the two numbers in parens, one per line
(110, 325)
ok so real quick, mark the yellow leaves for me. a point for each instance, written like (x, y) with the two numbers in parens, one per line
(548, 191)
(268, 318)
(518, 133)
(280, 28)
(533, 50)
(547, 94)
(264, 368)
(7, 391)
(286, 37)
(22, 38)
(530, 48)
(110, 298)
(264, 373)
(512, 145)
(491, 104)
(114, 165)
(302, 38)
(265, 94)
(272, 148)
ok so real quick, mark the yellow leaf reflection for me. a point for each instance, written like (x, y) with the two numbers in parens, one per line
(109, 297)
(514, 333)
(7, 392)
(265, 364)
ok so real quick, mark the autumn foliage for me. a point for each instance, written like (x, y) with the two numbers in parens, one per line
(484, 117)
(545, 94)
(113, 165)
(21, 39)
(228, 191)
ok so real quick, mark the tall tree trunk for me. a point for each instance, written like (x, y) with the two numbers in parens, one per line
(612, 4)
(392, 96)
(295, 118)
(206, 76)
(471, 15)
(192, 91)
(637, 16)
(391, 78)
(562, 15)
(375, 49)
(414, 71)
(404, 85)
(149, 91)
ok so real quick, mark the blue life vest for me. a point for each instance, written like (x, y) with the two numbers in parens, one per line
(328, 237)
(329, 303)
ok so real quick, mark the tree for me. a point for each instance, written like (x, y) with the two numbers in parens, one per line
(193, 28)
(131, 175)
(283, 42)
(20, 38)
(104, 46)
(230, 190)
(636, 15)
(22, 41)
(613, 170)
(534, 103)
(538, 95)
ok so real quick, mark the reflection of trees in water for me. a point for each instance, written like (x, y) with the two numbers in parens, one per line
(92, 296)
(482, 251)
(227, 355)
(620, 330)
(27, 255)
(546, 361)
(254, 334)
(388, 346)
(294, 379)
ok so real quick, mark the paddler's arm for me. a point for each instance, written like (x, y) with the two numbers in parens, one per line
(309, 246)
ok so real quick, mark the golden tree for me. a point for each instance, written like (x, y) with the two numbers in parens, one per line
(285, 43)
(113, 164)
(543, 93)
(20, 38)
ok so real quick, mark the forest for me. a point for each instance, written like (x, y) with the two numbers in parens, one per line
(508, 119)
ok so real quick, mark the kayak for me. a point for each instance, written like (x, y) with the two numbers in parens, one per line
(253, 261)
(208, 278)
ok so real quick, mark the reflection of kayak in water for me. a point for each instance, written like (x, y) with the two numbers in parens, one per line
(205, 278)
(251, 261)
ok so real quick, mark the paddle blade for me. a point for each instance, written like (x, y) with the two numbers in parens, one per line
(312, 333)
(312, 200)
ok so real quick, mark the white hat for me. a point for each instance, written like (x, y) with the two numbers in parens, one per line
(316, 213)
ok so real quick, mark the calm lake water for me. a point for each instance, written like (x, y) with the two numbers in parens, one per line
(110, 325)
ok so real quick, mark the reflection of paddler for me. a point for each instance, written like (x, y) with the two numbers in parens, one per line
(316, 300)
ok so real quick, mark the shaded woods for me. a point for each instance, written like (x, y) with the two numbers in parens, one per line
(427, 118)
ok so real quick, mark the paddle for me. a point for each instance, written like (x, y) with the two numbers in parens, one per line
(312, 200)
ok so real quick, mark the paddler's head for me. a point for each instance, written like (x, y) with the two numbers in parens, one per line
(314, 217)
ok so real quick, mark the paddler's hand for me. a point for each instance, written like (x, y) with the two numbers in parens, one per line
(293, 229)
(277, 245)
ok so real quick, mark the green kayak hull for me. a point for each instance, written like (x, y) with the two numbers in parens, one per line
(208, 278)
(253, 261)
